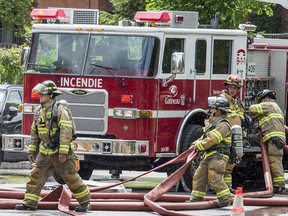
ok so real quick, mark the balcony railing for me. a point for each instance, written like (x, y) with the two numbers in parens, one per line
(9, 37)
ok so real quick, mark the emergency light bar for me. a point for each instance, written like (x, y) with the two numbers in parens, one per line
(47, 14)
(174, 19)
(152, 16)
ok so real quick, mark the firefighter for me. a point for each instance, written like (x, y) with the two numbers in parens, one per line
(215, 144)
(233, 86)
(52, 154)
(271, 124)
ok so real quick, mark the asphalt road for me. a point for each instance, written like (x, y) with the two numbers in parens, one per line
(249, 210)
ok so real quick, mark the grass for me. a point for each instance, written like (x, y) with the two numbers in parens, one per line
(144, 183)
(13, 179)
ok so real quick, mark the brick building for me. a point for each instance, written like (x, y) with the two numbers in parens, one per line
(102, 5)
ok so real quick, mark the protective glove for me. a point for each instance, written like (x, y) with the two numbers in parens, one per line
(62, 158)
(31, 158)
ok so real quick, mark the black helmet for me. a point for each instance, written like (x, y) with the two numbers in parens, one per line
(266, 93)
(47, 87)
(220, 103)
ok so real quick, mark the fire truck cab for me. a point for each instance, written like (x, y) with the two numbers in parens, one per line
(138, 94)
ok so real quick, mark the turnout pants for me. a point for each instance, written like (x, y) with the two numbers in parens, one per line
(42, 169)
(228, 174)
(275, 157)
(211, 170)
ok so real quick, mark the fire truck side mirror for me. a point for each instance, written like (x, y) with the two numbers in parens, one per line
(24, 56)
(177, 63)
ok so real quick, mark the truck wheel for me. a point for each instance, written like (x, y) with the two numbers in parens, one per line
(170, 170)
(191, 133)
(85, 172)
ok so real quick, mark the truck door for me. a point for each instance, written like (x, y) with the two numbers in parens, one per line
(199, 65)
(172, 95)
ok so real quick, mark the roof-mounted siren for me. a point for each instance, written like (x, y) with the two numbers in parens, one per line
(49, 16)
(174, 19)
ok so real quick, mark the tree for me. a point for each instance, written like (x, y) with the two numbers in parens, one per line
(10, 66)
(232, 12)
(15, 14)
(123, 10)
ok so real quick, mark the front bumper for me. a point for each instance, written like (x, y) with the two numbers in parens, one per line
(84, 146)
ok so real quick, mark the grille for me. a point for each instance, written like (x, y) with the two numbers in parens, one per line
(90, 111)
(85, 17)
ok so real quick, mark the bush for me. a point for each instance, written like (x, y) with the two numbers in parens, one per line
(10, 66)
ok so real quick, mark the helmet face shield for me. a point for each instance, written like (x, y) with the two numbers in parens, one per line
(219, 103)
(47, 87)
(40, 88)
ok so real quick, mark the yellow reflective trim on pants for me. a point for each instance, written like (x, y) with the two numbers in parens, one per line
(217, 134)
(279, 179)
(200, 194)
(269, 117)
(82, 194)
(32, 197)
(224, 192)
(274, 134)
(227, 179)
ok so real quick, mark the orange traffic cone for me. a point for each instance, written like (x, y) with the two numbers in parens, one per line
(238, 204)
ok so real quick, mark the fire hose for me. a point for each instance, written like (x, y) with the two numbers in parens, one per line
(155, 200)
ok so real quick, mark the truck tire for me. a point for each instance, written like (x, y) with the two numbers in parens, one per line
(85, 172)
(191, 133)
(170, 170)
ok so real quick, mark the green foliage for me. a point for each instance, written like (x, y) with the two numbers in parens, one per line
(10, 66)
(232, 13)
(123, 10)
(16, 14)
(266, 23)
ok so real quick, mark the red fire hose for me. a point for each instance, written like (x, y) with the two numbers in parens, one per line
(155, 200)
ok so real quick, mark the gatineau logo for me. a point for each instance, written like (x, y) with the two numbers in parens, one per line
(173, 93)
(79, 92)
(173, 90)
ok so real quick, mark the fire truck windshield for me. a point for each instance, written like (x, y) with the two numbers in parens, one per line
(77, 54)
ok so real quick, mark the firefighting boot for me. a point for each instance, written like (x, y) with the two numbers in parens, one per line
(24, 207)
(83, 207)
(281, 191)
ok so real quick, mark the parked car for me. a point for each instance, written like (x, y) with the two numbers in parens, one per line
(11, 95)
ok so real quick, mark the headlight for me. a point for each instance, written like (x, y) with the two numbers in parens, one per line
(124, 113)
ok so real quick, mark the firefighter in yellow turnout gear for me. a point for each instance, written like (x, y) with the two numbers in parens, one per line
(233, 85)
(54, 150)
(214, 144)
(271, 123)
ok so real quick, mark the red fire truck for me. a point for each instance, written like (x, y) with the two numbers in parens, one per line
(138, 95)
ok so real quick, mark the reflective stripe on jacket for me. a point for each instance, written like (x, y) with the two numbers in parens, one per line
(222, 132)
(271, 119)
(237, 115)
(40, 130)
